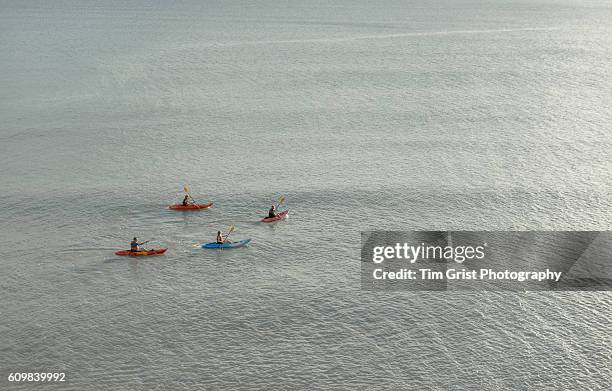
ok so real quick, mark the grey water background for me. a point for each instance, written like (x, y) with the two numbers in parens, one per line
(386, 115)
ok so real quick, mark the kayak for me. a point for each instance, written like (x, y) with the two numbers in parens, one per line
(144, 253)
(190, 206)
(239, 243)
(278, 217)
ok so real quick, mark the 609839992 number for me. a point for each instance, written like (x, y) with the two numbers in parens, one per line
(27, 377)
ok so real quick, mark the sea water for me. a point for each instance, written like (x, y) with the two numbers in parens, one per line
(483, 115)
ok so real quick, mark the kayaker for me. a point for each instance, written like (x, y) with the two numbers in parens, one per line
(220, 238)
(186, 200)
(135, 246)
(272, 212)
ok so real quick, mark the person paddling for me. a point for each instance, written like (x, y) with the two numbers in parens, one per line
(186, 200)
(272, 212)
(135, 246)
(220, 238)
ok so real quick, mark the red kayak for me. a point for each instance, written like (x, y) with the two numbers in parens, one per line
(279, 216)
(144, 253)
(190, 206)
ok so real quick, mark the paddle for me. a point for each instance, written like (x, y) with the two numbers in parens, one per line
(280, 201)
(186, 190)
(231, 229)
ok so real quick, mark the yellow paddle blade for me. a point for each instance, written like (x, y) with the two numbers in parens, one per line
(231, 229)
(186, 189)
(281, 200)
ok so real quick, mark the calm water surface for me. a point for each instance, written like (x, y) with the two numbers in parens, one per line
(365, 115)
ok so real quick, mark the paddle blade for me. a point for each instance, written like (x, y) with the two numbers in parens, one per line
(231, 229)
(186, 189)
(281, 200)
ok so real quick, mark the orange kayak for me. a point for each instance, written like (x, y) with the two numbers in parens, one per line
(128, 253)
(190, 206)
(279, 216)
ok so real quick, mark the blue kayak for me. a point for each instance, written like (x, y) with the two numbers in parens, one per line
(239, 243)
